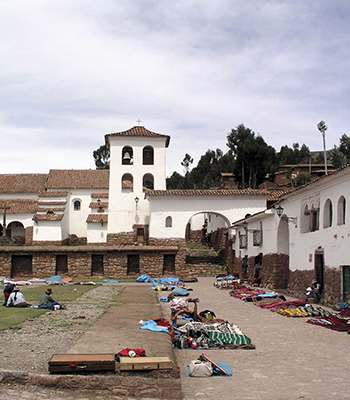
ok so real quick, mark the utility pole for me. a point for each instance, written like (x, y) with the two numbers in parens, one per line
(322, 127)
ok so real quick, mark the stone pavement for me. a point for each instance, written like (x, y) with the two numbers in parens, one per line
(292, 360)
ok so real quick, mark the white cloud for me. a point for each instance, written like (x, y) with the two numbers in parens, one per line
(71, 72)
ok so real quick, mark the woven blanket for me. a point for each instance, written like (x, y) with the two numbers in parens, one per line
(228, 338)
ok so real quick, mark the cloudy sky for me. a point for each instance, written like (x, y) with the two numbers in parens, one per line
(72, 71)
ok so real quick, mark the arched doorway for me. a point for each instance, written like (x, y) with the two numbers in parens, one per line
(283, 236)
(16, 232)
(201, 227)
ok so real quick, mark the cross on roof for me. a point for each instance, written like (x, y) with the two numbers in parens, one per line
(4, 207)
(138, 121)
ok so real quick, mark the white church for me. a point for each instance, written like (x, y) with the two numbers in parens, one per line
(122, 222)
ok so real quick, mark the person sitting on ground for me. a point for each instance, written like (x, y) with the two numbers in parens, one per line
(16, 299)
(48, 302)
(7, 291)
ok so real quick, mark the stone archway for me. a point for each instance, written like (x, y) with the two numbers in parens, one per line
(203, 224)
(16, 232)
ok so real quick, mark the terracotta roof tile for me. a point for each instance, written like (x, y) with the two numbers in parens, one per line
(22, 183)
(138, 131)
(218, 192)
(26, 206)
(52, 203)
(48, 217)
(99, 195)
(97, 218)
(102, 204)
(78, 179)
(45, 193)
(47, 209)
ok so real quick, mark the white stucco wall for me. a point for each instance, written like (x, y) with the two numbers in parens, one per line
(76, 223)
(96, 233)
(48, 231)
(334, 240)
(123, 211)
(182, 208)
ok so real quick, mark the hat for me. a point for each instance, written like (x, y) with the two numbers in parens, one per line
(16, 289)
(49, 291)
(314, 281)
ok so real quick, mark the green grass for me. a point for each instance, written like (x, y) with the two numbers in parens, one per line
(11, 316)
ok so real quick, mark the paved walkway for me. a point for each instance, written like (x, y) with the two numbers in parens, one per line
(292, 360)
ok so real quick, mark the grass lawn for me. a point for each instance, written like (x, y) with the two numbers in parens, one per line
(11, 316)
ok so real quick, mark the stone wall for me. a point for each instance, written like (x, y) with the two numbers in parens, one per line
(204, 270)
(120, 239)
(196, 236)
(28, 238)
(299, 280)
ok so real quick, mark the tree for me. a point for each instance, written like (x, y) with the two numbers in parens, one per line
(254, 158)
(294, 155)
(344, 147)
(102, 157)
(176, 181)
(337, 158)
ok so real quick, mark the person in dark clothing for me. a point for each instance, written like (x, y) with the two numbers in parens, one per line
(7, 291)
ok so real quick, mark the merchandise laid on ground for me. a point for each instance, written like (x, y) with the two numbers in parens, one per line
(190, 329)
(278, 304)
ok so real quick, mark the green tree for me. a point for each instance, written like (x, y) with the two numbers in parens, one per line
(254, 158)
(294, 155)
(102, 157)
(337, 158)
(176, 181)
(344, 147)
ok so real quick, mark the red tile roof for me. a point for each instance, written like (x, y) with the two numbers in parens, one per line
(218, 192)
(48, 217)
(52, 203)
(138, 131)
(78, 179)
(19, 206)
(45, 193)
(22, 183)
(99, 195)
(95, 205)
(97, 218)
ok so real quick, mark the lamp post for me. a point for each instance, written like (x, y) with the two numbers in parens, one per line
(322, 127)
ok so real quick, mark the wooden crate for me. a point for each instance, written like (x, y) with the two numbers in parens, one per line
(144, 363)
(80, 363)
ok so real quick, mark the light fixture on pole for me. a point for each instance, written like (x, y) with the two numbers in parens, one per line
(322, 127)
(279, 211)
(136, 199)
(245, 227)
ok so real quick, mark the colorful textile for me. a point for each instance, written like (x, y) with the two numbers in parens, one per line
(332, 322)
(228, 338)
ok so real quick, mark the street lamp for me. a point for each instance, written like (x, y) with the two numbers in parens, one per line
(280, 210)
(322, 127)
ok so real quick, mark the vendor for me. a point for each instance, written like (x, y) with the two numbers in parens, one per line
(16, 299)
(48, 302)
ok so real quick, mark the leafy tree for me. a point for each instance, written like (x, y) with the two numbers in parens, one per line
(337, 158)
(294, 155)
(344, 147)
(254, 158)
(102, 157)
(176, 181)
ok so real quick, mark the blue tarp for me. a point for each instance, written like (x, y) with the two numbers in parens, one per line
(180, 292)
(56, 278)
(110, 281)
(152, 326)
(220, 278)
(143, 278)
